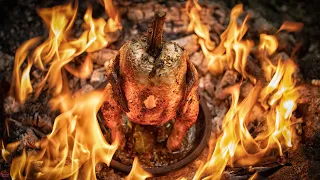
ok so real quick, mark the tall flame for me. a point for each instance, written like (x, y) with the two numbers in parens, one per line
(54, 54)
(236, 145)
(76, 140)
(232, 52)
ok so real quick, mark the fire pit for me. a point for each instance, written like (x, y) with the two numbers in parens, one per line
(198, 137)
(257, 85)
(201, 133)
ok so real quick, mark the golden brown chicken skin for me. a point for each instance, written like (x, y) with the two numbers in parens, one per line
(151, 89)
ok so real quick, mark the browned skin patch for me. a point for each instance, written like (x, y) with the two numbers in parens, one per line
(112, 116)
(175, 90)
(113, 76)
(188, 110)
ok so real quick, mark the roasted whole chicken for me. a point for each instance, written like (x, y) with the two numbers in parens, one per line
(152, 82)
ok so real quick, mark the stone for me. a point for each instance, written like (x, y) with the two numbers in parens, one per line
(135, 14)
(189, 43)
(208, 84)
(103, 55)
(197, 58)
(98, 76)
(173, 14)
(229, 78)
(203, 67)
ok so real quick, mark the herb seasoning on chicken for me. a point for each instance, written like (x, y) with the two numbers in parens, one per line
(152, 82)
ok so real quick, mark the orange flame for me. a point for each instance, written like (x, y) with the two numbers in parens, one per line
(60, 49)
(222, 57)
(291, 26)
(268, 45)
(236, 145)
(76, 140)
(193, 8)
(137, 172)
(113, 23)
